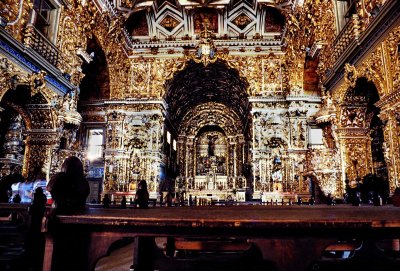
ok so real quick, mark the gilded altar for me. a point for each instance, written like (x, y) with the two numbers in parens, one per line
(204, 97)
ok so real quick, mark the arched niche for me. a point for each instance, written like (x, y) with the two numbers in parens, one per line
(95, 85)
(17, 118)
(274, 21)
(208, 107)
(211, 150)
(137, 24)
(364, 139)
(211, 114)
(198, 84)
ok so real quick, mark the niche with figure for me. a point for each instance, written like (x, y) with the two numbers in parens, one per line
(211, 151)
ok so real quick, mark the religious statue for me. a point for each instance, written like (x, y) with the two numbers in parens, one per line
(211, 144)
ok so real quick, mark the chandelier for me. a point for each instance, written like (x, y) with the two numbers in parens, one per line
(205, 49)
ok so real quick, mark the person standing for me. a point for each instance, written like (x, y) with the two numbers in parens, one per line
(142, 196)
(106, 201)
(69, 190)
(35, 238)
(123, 202)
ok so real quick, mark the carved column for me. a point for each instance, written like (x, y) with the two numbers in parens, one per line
(355, 152)
(38, 150)
(234, 156)
(181, 155)
(190, 157)
(114, 150)
(239, 155)
(391, 146)
(231, 159)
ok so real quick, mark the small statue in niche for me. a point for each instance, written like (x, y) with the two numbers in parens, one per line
(211, 144)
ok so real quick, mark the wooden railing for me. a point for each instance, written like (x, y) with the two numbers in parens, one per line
(38, 42)
(349, 34)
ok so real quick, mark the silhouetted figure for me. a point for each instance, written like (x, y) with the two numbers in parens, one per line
(357, 199)
(38, 207)
(35, 239)
(169, 199)
(331, 200)
(161, 198)
(106, 201)
(177, 199)
(17, 198)
(299, 201)
(190, 200)
(182, 200)
(69, 188)
(142, 195)
(123, 202)
(377, 200)
(347, 195)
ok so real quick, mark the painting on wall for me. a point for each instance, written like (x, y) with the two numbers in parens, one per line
(169, 23)
(274, 20)
(205, 17)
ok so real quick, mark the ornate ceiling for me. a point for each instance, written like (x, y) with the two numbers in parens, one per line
(164, 26)
(198, 84)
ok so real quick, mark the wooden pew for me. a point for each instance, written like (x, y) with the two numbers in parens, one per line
(13, 227)
(288, 236)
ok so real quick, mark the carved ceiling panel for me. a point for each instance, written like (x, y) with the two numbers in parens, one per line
(197, 84)
(169, 23)
(185, 19)
(242, 21)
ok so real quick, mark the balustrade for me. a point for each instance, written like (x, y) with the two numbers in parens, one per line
(42, 45)
(349, 34)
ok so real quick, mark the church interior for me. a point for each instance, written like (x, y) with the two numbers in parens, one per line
(208, 101)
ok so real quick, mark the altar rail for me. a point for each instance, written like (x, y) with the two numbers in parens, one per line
(292, 237)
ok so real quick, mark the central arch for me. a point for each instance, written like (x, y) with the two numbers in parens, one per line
(208, 108)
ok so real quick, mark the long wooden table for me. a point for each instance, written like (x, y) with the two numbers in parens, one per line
(315, 226)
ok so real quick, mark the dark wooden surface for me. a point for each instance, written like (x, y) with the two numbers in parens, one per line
(244, 217)
(311, 227)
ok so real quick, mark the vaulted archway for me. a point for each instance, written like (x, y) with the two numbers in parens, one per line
(27, 130)
(208, 107)
(365, 149)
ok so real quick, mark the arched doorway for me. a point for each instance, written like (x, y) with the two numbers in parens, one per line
(95, 84)
(362, 135)
(208, 112)
(94, 87)
(27, 132)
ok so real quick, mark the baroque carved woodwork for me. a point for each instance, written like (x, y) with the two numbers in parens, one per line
(255, 91)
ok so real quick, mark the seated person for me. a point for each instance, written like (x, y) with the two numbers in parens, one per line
(69, 188)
